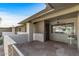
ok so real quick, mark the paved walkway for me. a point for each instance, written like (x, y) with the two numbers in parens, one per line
(1, 50)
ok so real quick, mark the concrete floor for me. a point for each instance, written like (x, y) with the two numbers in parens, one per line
(1, 50)
(49, 48)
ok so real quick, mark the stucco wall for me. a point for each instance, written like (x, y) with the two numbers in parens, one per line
(38, 31)
(61, 36)
(39, 27)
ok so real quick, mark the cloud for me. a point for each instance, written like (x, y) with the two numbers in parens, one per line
(8, 20)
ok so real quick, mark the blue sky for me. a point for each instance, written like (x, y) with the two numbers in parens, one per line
(12, 13)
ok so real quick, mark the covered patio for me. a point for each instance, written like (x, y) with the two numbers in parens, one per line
(51, 33)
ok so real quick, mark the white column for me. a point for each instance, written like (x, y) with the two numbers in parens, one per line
(78, 30)
(13, 29)
(30, 31)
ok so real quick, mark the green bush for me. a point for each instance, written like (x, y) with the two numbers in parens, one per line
(1, 40)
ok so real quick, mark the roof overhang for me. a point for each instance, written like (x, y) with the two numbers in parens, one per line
(50, 7)
(37, 14)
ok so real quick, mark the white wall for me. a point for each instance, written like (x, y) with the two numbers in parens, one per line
(38, 37)
(22, 33)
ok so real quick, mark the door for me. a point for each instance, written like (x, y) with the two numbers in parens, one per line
(46, 31)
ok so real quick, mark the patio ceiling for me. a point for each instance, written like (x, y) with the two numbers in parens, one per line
(57, 6)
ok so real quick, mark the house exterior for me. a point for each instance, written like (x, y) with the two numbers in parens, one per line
(21, 28)
(8, 29)
(58, 22)
(41, 25)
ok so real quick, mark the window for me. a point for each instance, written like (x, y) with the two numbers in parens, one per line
(63, 28)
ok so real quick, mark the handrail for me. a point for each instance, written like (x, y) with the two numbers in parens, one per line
(18, 51)
(10, 41)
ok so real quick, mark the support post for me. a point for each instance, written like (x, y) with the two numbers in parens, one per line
(78, 30)
(30, 31)
(13, 29)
